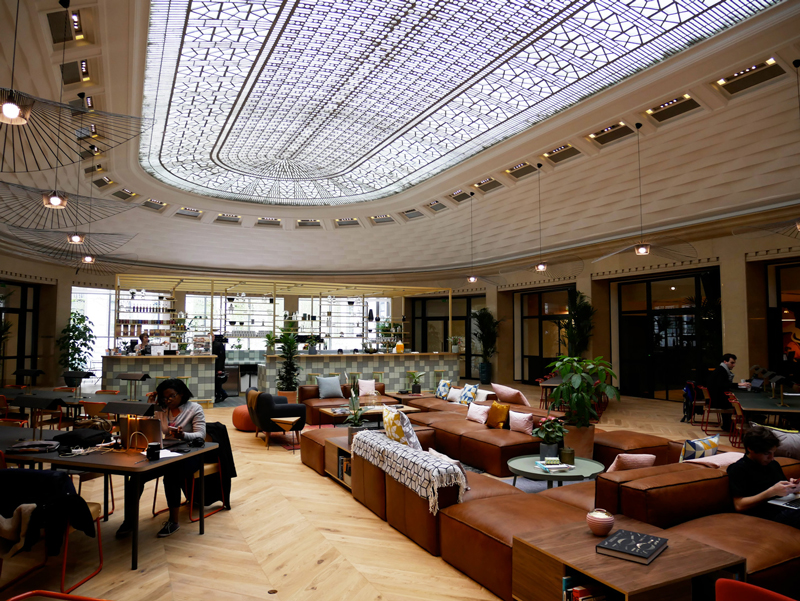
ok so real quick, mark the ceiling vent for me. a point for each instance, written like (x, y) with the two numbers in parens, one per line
(59, 30)
(154, 205)
(673, 108)
(381, 219)
(71, 73)
(189, 213)
(437, 206)
(103, 182)
(487, 184)
(750, 76)
(347, 222)
(124, 194)
(308, 223)
(611, 133)
(412, 214)
(269, 222)
(562, 153)
(461, 196)
(521, 170)
(93, 169)
(228, 218)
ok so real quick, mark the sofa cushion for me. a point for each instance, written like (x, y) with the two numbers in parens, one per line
(443, 389)
(674, 448)
(630, 461)
(489, 450)
(772, 550)
(520, 422)
(607, 445)
(672, 498)
(468, 394)
(476, 537)
(699, 447)
(790, 442)
(498, 415)
(426, 403)
(428, 419)
(478, 413)
(399, 429)
(580, 495)
(330, 387)
(608, 484)
(448, 435)
(366, 387)
(512, 396)
(720, 461)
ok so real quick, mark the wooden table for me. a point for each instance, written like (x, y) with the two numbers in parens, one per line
(131, 464)
(373, 411)
(540, 559)
(525, 466)
(404, 398)
(286, 424)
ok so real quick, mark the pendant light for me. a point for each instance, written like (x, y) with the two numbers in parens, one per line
(55, 199)
(472, 277)
(76, 237)
(667, 247)
(15, 111)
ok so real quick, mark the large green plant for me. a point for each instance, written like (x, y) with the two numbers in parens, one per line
(289, 371)
(584, 381)
(579, 326)
(76, 343)
(487, 331)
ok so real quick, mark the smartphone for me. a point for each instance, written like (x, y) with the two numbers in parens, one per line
(173, 428)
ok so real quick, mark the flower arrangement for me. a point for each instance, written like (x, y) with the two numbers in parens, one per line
(551, 430)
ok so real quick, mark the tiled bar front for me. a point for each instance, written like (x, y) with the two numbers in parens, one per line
(393, 366)
(198, 368)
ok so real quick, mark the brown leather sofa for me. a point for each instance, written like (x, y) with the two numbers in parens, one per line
(309, 396)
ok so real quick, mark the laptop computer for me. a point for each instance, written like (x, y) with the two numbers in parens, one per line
(791, 501)
(756, 384)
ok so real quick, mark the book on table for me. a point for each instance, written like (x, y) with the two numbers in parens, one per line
(633, 546)
(553, 468)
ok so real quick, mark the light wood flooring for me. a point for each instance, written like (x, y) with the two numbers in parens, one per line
(290, 531)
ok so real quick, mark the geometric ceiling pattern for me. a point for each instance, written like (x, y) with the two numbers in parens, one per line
(333, 103)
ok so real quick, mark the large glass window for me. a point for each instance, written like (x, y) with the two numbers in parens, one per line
(98, 305)
(20, 310)
(542, 329)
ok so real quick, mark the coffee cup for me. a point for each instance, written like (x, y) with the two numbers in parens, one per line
(153, 451)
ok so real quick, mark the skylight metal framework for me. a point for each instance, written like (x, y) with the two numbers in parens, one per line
(330, 103)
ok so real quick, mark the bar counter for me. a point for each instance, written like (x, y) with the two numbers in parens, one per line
(393, 366)
(198, 368)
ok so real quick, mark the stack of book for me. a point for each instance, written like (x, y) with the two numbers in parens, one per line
(554, 468)
(633, 546)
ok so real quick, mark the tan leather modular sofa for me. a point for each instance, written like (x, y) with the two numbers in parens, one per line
(309, 396)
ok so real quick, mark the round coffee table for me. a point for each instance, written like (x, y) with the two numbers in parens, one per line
(525, 466)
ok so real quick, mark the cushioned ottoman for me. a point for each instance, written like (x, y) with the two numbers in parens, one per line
(476, 537)
(241, 419)
(407, 512)
(608, 484)
(607, 445)
(312, 446)
(490, 449)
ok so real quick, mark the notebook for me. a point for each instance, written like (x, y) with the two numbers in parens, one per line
(791, 501)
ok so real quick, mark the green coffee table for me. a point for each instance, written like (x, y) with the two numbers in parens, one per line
(525, 466)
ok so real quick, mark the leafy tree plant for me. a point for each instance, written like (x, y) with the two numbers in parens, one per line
(579, 326)
(289, 371)
(76, 343)
(487, 331)
(583, 383)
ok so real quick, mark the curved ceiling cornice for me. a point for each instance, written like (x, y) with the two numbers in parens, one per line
(322, 103)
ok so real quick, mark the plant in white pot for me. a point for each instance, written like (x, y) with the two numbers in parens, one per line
(354, 421)
(455, 344)
(583, 384)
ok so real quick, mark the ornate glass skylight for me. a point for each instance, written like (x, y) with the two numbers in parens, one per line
(326, 102)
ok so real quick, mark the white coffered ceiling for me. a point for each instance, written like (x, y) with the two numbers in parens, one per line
(332, 103)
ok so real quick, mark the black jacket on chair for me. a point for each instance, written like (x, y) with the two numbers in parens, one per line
(269, 406)
(218, 433)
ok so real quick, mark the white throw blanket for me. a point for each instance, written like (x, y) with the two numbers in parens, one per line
(13, 529)
(420, 471)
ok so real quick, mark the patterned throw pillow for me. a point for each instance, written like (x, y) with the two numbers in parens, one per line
(631, 461)
(399, 428)
(498, 415)
(443, 389)
(468, 394)
(701, 447)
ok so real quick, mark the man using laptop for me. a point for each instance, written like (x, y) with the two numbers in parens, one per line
(757, 477)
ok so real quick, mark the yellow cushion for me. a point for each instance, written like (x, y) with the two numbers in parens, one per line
(393, 427)
(498, 415)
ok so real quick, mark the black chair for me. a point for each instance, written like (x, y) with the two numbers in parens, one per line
(269, 406)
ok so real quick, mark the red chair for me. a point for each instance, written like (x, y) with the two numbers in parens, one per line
(737, 423)
(733, 590)
(543, 397)
(52, 595)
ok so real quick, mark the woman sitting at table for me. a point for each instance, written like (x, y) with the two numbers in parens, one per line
(180, 419)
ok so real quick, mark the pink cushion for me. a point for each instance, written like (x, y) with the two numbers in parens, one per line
(366, 387)
(478, 413)
(520, 422)
(512, 396)
(631, 461)
(719, 461)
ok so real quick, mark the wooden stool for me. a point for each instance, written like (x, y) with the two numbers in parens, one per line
(286, 424)
(377, 376)
(311, 379)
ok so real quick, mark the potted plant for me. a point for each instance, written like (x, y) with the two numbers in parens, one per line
(354, 421)
(416, 380)
(583, 383)
(488, 329)
(455, 343)
(76, 344)
(579, 326)
(312, 343)
(289, 371)
(551, 430)
(271, 339)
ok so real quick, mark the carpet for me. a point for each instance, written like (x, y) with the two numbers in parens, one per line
(523, 484)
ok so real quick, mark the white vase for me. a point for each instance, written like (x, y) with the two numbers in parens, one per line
(454, 349)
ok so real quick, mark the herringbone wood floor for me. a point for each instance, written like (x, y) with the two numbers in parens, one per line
(290, 531)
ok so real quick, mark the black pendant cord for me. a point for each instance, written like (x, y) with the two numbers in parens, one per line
(14, 55)
(796, 65)
(61, 93)
(639, 169)
(539, 204)
(471, 242)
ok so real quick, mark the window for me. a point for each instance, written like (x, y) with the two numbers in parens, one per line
(98, 305)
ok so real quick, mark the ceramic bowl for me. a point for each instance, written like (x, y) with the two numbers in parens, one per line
(600, 522)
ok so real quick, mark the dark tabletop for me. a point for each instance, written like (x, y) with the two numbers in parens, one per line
(762, 402)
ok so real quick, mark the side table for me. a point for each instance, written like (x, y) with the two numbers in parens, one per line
(286, 424)
(526, 467)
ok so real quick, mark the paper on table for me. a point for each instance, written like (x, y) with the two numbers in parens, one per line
(165, 454)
